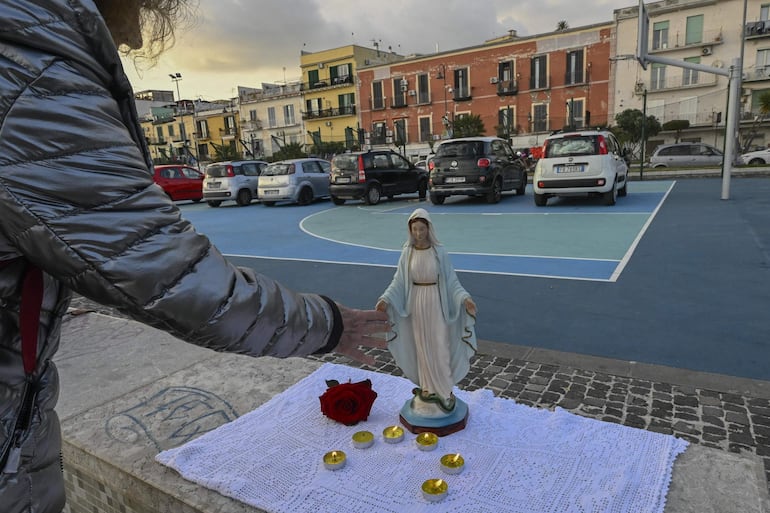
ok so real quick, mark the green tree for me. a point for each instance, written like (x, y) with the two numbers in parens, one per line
(678, 125)
(628, 129)
(763, 103)
(290, 151)
(224, 151)
(468, 126)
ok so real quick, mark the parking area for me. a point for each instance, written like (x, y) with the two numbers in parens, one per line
(670, 275)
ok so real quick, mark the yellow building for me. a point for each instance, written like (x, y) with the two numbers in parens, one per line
(329, 92)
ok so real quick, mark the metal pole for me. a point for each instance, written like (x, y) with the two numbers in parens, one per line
(733, 101)
(644, 134)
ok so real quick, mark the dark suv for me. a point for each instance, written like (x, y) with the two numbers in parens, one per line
(476, 166)
(370, 175)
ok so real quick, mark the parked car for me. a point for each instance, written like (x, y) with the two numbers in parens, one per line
(686, 154)
(370, 175)
(180, 182)
(476, 166)
(587, 162)
(755, 158)
(236, 180)
(297, 180)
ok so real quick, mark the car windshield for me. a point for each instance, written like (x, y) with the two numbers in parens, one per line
(461, 149)
(346, 162)
(277, 169)
(569, 146)
(216, 171)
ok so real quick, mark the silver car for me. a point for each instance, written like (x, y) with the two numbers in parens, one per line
(233, 180)
(297, 180)
(686, 154)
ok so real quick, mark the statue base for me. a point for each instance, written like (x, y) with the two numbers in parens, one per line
(441, 425)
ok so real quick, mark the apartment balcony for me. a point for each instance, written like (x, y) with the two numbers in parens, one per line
(251, 124)
(757, 29)
(398, 102)
(378, 102)
(461, 94)
(228, 133)
(677, 42)
(540, 84)
(328, 83)
(507, 88)
(576, 78)
(756, 74)
(348, 110)
(680, 81)
(156, 141)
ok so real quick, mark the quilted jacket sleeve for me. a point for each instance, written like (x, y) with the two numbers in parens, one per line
(78, 200)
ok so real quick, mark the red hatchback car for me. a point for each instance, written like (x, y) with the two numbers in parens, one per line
(180, 182)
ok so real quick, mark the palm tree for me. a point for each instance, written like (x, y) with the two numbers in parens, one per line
(562, 25)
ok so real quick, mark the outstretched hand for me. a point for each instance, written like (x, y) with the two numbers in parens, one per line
(362, 328)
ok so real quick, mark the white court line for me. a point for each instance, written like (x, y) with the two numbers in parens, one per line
(624, 261)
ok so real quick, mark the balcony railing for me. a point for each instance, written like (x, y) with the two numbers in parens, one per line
(252, 124)
(757, 29)
(682, 81)
(378, 102)
(328, 82)
(228, 132)
(709, 37)
(156, 140)
(461, 94)
(756, 74)
(574, 78)
(398, 102)
(507, 88)
(348, 110)
(542, 83)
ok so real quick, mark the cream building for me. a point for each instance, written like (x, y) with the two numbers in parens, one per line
(270, 118)
(706, 32)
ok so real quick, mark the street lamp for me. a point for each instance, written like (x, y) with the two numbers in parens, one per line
(445, 118)
(176, 77)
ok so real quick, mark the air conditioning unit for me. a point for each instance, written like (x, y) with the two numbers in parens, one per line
(639, 87)
(389, 133)
(493, 80)
(436, 137)
(320, 65)
(389, 139)
(706, 50)
(412, 92)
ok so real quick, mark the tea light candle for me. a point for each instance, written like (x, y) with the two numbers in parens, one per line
(334, 460)
(363, 439)
(434, 489)
(427, 441)
(393, 434)
(452, 463)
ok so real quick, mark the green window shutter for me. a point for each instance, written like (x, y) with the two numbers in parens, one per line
(694, 30)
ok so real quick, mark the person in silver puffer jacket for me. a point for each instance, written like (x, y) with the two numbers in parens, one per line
(78, 202)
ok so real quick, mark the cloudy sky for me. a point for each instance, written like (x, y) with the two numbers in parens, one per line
(247, 42)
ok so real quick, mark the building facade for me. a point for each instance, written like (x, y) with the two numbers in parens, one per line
(707, 32)
(270, 118)
(522, 88)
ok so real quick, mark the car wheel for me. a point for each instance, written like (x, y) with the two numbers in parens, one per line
(541, 200)
(624, 190)
(610, 196)
(373, 195)
(268, 203)
(422, 190)
(244, 198)
(305, 196)
(338, 201)
(521, 189)
(214, 204)
(756, 162)
(437, 199)
(196, 200)
(496, 193)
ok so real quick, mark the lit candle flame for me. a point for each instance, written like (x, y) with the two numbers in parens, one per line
(439, 483)
(456, 458)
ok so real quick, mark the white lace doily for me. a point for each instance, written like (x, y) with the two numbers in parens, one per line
(517, 458)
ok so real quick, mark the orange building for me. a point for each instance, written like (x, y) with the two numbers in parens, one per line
(522, 88)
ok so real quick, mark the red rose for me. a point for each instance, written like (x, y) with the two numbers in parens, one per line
(348, 403)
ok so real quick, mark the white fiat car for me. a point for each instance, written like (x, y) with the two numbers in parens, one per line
(588, 162)
(297, 180)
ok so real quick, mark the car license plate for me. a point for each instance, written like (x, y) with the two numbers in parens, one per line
(571, 168)
(213, 185)
(342, 179)
(455, 179)
(271, 191)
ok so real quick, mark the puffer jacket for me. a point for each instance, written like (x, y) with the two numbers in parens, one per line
(77, 201)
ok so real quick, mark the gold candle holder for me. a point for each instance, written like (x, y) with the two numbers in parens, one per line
(427, 441)
(334, 460)
(393, 434)
(452, 463)
(363, 439)
(434, 490)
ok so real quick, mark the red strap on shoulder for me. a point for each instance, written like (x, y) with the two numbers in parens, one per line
(29, 316)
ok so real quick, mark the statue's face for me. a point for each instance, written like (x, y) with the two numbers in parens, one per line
(419, 231)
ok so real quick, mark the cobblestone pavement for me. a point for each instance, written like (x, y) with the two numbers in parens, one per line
(712, 418)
